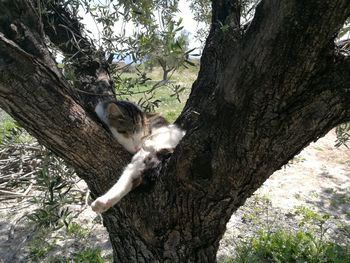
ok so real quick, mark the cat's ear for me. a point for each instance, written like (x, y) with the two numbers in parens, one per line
(114, 111)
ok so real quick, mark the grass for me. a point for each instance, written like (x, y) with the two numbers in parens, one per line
(8, 129)
(77, 231)
(307, 244)
(88, 255)
(340, 199)
(39, 247)
(288, 247)
(92, 255)
(11, 132)
(168, 102)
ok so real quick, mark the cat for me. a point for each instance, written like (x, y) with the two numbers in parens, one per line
(144, 134)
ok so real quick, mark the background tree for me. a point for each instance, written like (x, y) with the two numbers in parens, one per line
(167, 48)
(263, 93)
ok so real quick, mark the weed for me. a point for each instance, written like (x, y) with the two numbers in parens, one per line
(314, 194)
(340, 199)
(345, 229)
(77, 231)
(89, 255)
(347, 213)
(308, 243)
(39, 247)
(55, 185)
(310, 216)
(287, 247)
(11, 132)
(261, 206)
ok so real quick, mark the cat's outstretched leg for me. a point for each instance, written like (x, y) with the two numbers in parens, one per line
(130, 178)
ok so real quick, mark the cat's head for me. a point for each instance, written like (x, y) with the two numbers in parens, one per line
(127, 123)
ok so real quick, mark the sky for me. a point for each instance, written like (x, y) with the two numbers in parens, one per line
(185, 13)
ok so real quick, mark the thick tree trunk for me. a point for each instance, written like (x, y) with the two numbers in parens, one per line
(261, 96)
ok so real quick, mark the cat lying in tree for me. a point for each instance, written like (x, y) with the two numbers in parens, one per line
(141, 133)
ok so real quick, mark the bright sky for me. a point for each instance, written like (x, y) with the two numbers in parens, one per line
(189, 24)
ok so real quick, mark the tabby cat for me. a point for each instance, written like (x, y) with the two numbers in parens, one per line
(141, 133)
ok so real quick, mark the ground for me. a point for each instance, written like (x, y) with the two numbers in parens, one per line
(318, 178)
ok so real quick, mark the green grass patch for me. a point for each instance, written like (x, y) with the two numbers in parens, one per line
(287, 247)
(8, 129)
(11, 132)
(39, 247)
(308, 243)
(77, 230)
(88, 255)
(92, 255)
(168, 100)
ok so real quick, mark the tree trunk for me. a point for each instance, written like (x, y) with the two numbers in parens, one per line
(261, 96)
(165, 74)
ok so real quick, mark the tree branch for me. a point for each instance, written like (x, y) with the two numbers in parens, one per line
(36, 97)
(90, 66)
(267, 88)
(22, 23)
(308, 39)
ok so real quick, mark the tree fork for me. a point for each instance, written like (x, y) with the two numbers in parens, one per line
(259, 99)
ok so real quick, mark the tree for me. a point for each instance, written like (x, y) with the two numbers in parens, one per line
(263, 93)
(166, 47)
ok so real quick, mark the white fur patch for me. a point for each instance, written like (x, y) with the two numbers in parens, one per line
(166, 137)
(101, 112)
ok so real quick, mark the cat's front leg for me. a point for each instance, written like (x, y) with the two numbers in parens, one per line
(101, 204)
(130, 178)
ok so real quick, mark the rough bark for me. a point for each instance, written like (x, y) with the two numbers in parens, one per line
(260, 97)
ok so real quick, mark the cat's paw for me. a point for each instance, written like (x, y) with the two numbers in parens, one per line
(101, 205)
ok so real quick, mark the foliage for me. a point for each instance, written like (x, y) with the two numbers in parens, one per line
(77, 231)
(169, 99)
(54, 181)
(11, 132)
(39, 247)
(306, 244)
(167, 46)
(284, 247)
(89, 255)
(144, 31)
(345, 29)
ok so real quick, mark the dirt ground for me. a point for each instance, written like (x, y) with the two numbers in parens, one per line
(317, 178)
